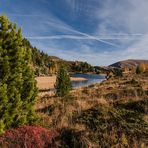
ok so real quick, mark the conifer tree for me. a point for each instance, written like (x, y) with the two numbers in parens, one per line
(17, 83)
(63, 83)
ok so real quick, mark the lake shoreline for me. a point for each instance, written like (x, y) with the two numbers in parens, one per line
(47, 82)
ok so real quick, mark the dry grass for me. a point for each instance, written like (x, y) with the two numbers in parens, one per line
(48, 82)
(60, 112)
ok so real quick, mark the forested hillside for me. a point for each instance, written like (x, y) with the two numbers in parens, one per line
(43, 64)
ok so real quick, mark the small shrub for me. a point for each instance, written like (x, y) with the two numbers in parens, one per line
(28, 137)
(112, 95)
(48, 110)
(137, 106)
(128, 92)
(72, 139)
(134, 82)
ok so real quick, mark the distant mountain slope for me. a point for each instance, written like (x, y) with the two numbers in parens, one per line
(130, 63)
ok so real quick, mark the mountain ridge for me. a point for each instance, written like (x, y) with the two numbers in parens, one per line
(129, 63)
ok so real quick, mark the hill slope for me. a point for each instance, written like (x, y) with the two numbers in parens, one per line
(110, 114)
(43, 64)
(130, 63)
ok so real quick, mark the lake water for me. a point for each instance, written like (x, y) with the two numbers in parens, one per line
(91, 79)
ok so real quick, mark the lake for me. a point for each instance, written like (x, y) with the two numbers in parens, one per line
(90, 79)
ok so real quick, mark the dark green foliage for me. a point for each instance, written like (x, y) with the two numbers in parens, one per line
(133, 82)
(117, 72)
(121, 127)
(72, 139)
(138, 70)
(68, 98)
(138, 106)
(17, 83)
(111, 95)
(39, 58)
(63, 83)
(83, 67)
(41, 61)
(48, 110)
(101, 70)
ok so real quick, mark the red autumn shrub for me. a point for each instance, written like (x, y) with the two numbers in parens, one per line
(28, 137)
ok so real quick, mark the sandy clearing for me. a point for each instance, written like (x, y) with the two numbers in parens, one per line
(48, 82)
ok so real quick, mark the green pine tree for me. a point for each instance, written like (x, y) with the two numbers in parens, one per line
(17, 83)
(63, 83)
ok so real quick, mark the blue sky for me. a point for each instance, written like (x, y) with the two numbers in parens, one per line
(100, 32)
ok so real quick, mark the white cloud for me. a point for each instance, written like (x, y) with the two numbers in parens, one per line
(73, 37)
(126, 22)
(122, 24)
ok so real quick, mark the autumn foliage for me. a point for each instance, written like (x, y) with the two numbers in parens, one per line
(28, 137)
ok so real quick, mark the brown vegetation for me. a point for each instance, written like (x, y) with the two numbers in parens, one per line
(97, 115)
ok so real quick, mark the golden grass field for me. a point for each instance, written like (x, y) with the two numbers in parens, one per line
(47, 82)
(63, 113)
(105, 103)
